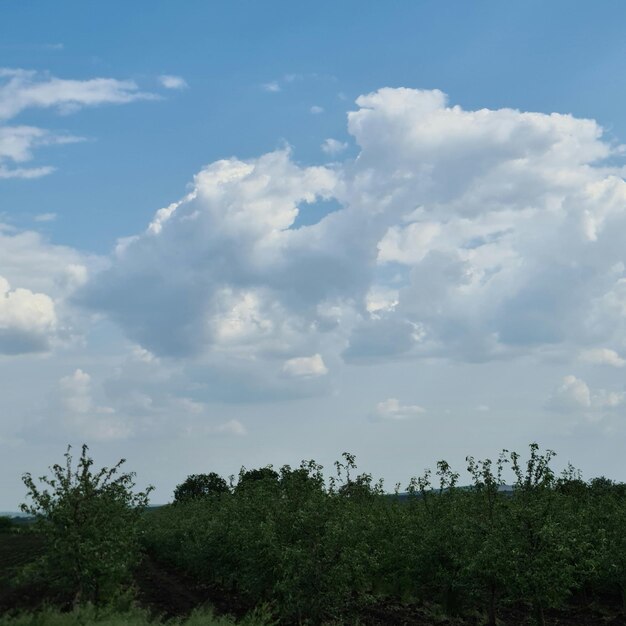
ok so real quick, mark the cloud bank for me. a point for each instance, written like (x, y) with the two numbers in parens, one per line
(488, 234)
(453, 235)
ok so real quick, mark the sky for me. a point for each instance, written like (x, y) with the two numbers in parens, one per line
(243, 233)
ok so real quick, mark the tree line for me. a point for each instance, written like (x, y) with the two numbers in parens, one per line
(318, 548)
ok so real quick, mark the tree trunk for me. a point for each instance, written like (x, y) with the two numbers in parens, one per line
(539, 616)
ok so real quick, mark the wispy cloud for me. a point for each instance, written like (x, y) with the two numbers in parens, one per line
(45, 217)
(173, 82)
(392, 410)
(333, 146)
(25, 172)
(21, 90)
(271, 87)
(24, 89)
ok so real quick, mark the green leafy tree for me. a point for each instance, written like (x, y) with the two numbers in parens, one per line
(542, 545)
(607, 520)
(267, 474)
(200, 486)
(90, 521)
(488, 545)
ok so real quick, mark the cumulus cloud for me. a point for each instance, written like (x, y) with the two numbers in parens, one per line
(316, 109)
(602, 356)
(392, 410)
(27, 320)
(465, 235)
(36, 281)
(303, 366)
(574, 396)
(245, 293)
(172, 82)
(27, 259)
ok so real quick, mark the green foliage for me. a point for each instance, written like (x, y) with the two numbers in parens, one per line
(6, 524)
(267, 475)
(315, 550)
(107, 616)
(90, 521)
(200, 486)
(320, 549)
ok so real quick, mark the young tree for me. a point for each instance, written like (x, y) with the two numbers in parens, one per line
(488, 544)
(90, 521)
(542, 544)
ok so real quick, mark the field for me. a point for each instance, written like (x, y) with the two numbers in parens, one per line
(295, 547)
(167, 594)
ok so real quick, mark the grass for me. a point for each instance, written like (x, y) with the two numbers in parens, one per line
(87, 615)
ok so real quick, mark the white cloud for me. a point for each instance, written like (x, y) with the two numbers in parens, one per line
(17, 144)
(571, 395)
(27, 320)
(316, 110)
(303, 366)
(172, 82)
(24, 89)
(83, 417)
(76, 392)
(450, 236)
(602, 356)
(45, 217)
(234, 224)
(27, 259)
(604, 399)
(466, 235)
(142, 355)
(25, 172)
(333, 146)
(271, 87)
(574, 396)
(391, 410)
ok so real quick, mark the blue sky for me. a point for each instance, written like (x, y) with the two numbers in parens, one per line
(532, 56)
(465, 290)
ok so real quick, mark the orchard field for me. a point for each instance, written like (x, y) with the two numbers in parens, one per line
(295, 546)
